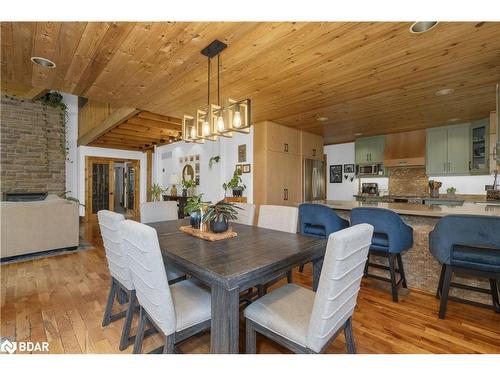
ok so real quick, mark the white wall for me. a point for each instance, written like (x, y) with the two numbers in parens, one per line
(465, 184)
(84, 151)
(340, 154)
(211, 179)
(71, 102)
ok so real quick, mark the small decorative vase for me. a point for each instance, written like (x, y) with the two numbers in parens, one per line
(184, 193)
(219, 226)
(237, 192)
(195, 220)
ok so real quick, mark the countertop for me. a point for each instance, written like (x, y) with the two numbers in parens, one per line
(419, 209)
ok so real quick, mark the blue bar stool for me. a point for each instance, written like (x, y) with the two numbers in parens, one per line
(391, 237)
(316, 220)
(467, 244)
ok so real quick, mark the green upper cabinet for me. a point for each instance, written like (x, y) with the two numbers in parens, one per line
(370, 150)
(479, 137)
(448, 150)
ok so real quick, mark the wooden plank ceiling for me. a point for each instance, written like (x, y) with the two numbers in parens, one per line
(370, 78)
(141, 132)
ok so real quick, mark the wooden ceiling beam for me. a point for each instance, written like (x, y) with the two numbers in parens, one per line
(116, 146)
(149, 129)
(155, 124)
(156, 117)
(114, 119)
(134, 134)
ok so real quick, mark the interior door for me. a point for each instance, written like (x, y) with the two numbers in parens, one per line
(100, 188)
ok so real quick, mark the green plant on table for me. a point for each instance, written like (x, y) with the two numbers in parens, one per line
(156, 192)
(221, 211)
(451, 190)
(194, 204)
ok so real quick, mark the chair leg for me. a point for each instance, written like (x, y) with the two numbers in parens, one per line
(139, 336)
(401, 270)
(445, 291)
(109, 305)
(250, 340)
(289, 277)
(124, 341)
(349, 337)
(301, 267)
(495, 295)
(366, 265)
(169, 347)
(394, 285)
(441, 279)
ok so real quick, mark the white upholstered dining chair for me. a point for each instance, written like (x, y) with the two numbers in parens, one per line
(121, 280)
(307, 322)
(246, 213)
(280, 218)
(152, 212)
(177, 311)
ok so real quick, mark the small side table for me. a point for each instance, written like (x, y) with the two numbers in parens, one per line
(181, 202)
(236, 199)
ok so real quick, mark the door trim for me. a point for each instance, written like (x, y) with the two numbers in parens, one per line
(89, 160)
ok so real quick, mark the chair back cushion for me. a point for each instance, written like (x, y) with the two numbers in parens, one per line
(316, 220)
(339, 283)
(282, 218)
(246, 213)
(109, 224)
(148, 274)
(463, 230)
(391, 232)
(152, 212)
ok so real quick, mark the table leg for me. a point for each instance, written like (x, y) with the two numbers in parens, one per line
(224, 331)
(317, 265)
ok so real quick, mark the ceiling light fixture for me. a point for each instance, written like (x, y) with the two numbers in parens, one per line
(443, 92)
(217, 119)
(43, 62)
(357, 134)
(454, 119)
(322, 118)
(422, 27)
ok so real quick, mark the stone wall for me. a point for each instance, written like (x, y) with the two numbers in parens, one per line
(32, 147)
(408, 181)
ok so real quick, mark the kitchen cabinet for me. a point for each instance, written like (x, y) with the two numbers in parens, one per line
(448, 150)
(479, 150)
(283, 138)
(405, 149)
(370, 150)
(311, 146)
(277, 170)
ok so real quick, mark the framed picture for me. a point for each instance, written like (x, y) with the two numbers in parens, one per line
(242, 153)
(239, 168)
(348, 168)
(336, 174)
(246, 168)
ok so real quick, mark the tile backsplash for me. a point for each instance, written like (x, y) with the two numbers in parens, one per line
(408, 181)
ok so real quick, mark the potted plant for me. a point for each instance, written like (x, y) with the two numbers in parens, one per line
(219, 214)
(188, 187)
(450, 192)
(156, 192)
(235, 183)
(193, 209)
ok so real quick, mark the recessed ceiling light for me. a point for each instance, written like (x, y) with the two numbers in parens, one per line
(322, 118)
(454, 119)
(422, 27)
(358, 134)
(444, 92)
(43, 62)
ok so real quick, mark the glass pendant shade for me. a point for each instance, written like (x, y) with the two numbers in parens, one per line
(189, 133)
(204, 125)
(239, 114)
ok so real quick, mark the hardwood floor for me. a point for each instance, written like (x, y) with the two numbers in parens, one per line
(60, 299)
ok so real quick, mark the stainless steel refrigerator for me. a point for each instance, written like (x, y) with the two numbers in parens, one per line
(314, 180)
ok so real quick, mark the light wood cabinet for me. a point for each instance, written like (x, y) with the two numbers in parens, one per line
(405, 149)
(311, 145)
(283, 139)
(278, 168)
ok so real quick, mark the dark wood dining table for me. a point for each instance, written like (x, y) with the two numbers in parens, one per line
(230, 266)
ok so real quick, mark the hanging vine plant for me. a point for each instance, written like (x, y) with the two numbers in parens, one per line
(55, 100)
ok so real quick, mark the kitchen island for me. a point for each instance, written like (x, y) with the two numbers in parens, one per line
(422, 269)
